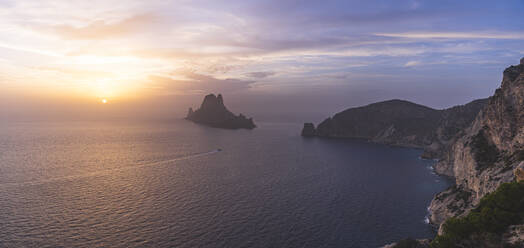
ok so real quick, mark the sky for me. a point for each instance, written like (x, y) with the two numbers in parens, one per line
(270, 59)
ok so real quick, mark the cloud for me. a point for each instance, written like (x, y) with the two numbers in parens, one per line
(195, 83)
(455, 35)
(75, 72)
(412, 63)
(101, 29)
(29, 50)
(260, 74)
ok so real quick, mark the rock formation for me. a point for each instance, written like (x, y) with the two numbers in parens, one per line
(453, 122)
(391, 122)
(488, 152)
(308, 130)
(519, 172)
(214, 113)
(514, 236)
(398, 122)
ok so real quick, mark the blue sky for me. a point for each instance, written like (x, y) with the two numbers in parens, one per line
(326, 54)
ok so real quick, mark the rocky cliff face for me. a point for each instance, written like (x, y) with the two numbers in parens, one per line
(451, 125)
(487, 153)
(213, 112)
(519, 172)
(514, 236)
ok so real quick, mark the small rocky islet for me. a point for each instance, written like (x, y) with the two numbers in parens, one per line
(213, 112)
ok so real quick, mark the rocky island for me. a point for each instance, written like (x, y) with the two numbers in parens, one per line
(480, 145)
(214, 113)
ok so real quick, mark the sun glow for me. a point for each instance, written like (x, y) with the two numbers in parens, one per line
(104, 101)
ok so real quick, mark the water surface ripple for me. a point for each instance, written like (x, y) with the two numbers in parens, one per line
(182, 185)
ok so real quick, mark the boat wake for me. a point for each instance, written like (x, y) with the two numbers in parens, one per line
(108, 171)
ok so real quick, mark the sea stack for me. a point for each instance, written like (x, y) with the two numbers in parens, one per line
(308, 130)
(214, 113)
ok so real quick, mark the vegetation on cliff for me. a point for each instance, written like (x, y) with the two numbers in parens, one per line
(486, 223)
(485, 152)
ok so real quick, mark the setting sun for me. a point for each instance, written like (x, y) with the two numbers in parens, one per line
(104, 101)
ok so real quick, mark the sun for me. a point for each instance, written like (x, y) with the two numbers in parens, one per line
(104, 101)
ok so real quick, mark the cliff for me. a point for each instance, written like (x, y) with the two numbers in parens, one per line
(488, 152)
(519, 172)
(451, 125)
(213, 112)
(480, 145)
(398, 122)
(495, 222)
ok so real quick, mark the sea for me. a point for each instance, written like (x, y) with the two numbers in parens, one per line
(180, 184)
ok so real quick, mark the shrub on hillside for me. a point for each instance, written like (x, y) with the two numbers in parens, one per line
(494, 214)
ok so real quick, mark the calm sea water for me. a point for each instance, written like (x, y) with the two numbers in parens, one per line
(179, 184)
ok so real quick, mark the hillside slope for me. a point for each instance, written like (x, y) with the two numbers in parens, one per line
(398, 122)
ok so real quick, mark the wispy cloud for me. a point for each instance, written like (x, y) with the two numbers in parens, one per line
(183, 82)
(29, 50)
(412, 63)
(261, 74)
(456, 35)
(101, 29)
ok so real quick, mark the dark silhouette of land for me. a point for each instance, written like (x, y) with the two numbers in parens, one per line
(214, 113)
